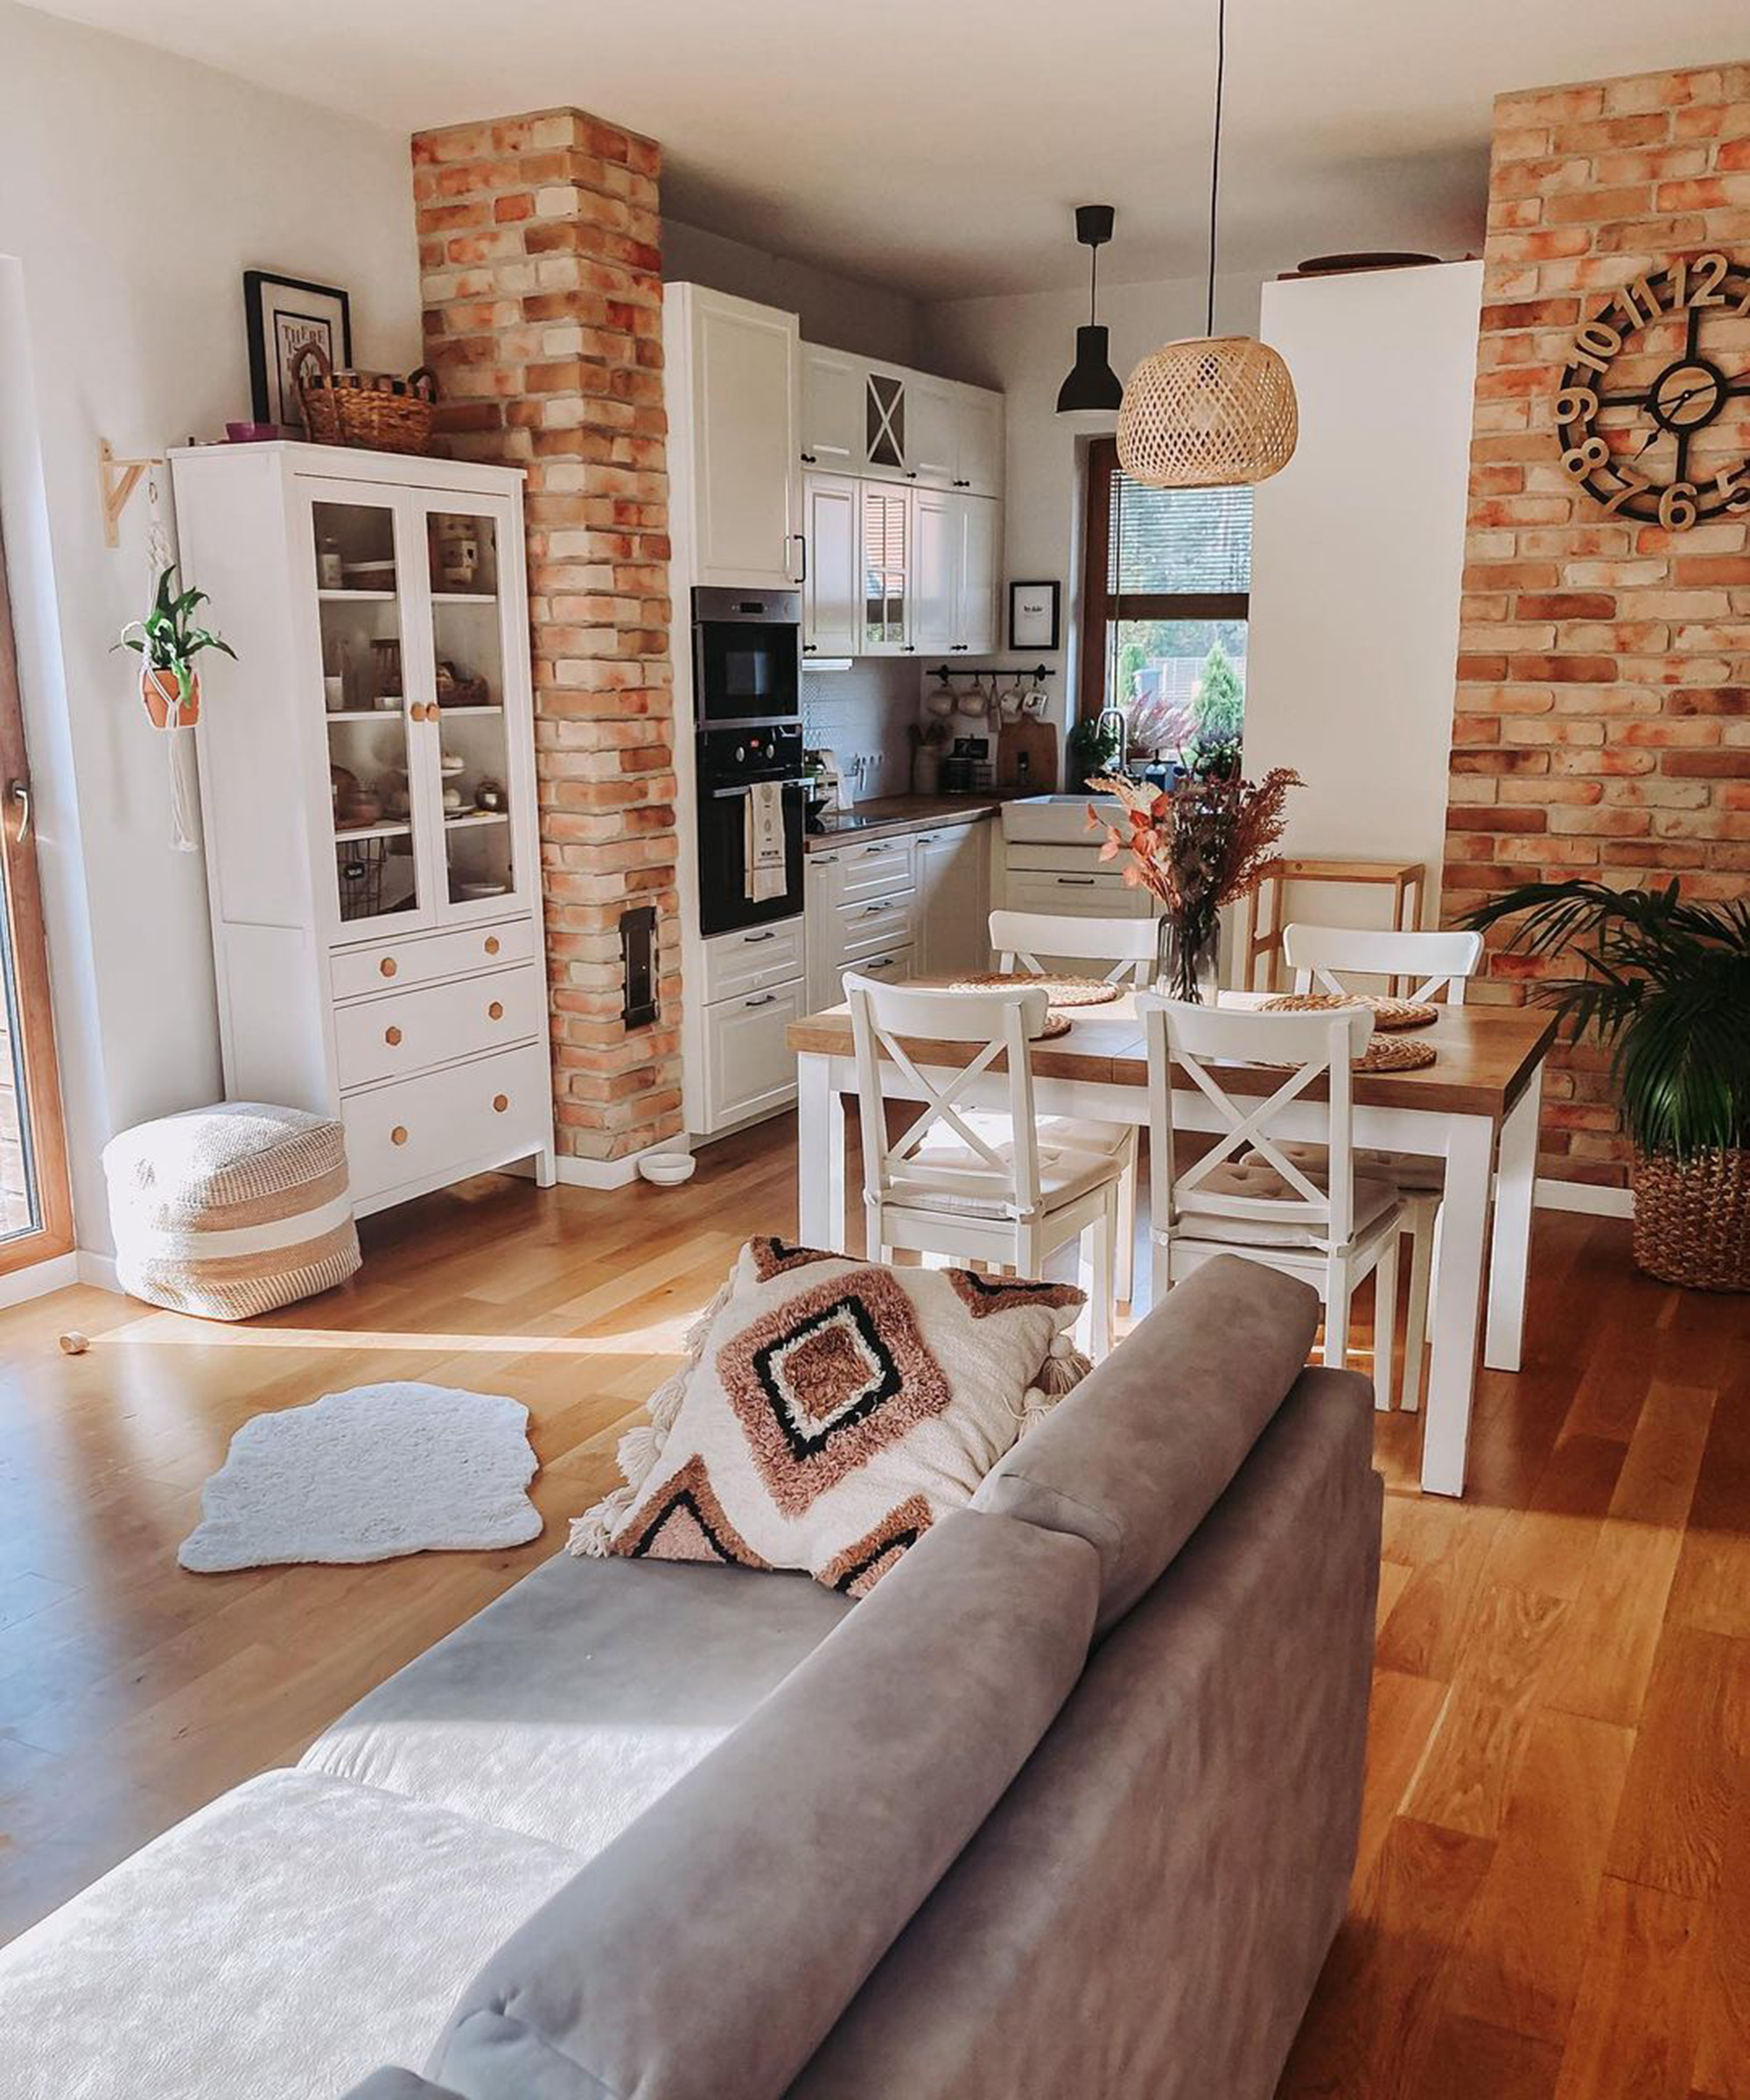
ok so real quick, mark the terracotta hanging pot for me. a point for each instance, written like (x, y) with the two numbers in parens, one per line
(163, 699)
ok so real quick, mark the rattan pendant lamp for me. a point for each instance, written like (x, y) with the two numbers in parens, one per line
(1213, 411)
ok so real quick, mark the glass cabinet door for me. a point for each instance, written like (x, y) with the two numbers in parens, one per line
(378, 869)
(886, 567)
(479, 758)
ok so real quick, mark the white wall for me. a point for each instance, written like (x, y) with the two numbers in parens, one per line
(135, 189)
(841, 312)
(1357, 560)
(1024, 344)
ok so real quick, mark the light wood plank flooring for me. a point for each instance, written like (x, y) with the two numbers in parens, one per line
(1552, 1899)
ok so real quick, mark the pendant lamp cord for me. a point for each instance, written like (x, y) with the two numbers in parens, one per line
(1215, 155)
(1093, 283)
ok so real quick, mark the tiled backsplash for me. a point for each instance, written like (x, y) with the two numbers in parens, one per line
(868, 708)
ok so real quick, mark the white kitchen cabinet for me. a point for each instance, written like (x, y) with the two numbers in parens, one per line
(885, 572)
(978, 442)
(367, 793)
(933, 431)
(861, 915)
(877, 867)
(734, 402)
(750, 1069)
(832, 589)
(952, 915)
(938, 559)
(977, 574)
(832, 410)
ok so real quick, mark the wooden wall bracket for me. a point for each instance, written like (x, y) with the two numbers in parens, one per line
(116, 482)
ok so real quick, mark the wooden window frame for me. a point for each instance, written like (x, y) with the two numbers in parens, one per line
(1101, 604)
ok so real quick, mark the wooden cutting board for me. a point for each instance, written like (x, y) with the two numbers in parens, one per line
(1037, 742)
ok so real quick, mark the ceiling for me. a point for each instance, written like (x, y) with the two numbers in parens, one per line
(936, 146)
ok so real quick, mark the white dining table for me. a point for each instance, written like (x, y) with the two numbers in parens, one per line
(1476, 1107)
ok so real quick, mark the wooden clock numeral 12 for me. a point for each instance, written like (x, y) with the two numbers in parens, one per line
(1654, 409)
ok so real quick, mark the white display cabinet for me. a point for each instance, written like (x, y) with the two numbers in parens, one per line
(368, 802)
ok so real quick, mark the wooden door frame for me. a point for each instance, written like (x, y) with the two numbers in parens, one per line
(40, 1104)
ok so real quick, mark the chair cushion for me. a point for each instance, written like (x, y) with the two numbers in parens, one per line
(282, 1942)
(231, 1211)
(1413, 1173)
(1254, 1176)
(712, 1946)
(834, 1409)
(1139, 1452)
(1075, 1155)
(578, 1697)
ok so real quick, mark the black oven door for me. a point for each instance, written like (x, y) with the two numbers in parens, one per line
(724, 904)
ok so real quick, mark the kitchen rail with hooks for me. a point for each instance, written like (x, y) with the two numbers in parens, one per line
(993, 670)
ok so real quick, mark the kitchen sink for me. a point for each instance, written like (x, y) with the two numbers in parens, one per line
(1049, 820)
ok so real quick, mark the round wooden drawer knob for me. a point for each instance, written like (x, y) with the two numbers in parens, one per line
(500, 1102)
(387, 966)
(491, 944)
(495, 1011)
(392, 1036)
(398, 1134)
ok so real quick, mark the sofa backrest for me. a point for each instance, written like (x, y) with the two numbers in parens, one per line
(729, 1925)
(1135, 1458)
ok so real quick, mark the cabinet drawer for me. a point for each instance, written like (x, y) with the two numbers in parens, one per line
(1099, 896)
(750, 1069)
(865, 930)
(891, 965)
(414, 1128)
(876, 869)
(432, 1024)
(736, 963)
(421, 957)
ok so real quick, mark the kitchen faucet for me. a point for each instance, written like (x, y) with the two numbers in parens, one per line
(1114, 714)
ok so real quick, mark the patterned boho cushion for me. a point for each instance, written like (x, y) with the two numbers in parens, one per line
(232, 1210)
(830, 1410)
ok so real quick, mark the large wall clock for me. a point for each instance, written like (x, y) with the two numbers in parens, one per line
(1654, 408)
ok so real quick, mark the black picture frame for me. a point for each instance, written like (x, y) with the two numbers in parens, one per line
(281, 314)
(1035, 625)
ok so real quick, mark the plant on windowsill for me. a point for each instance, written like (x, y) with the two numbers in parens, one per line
(167, 640)
(1197, 845)
(1667, 989)
(1096, 746)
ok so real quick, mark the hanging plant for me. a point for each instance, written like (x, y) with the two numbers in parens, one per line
(168, 641)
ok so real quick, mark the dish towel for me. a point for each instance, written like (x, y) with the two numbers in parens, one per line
(767, 874)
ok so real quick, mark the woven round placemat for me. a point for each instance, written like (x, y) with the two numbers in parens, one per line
(1384, 1054)
(1056, 1026)
(1387, 1013)
(1059, 991)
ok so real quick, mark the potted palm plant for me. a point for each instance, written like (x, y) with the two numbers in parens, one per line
(167, 641)
(1667, 990)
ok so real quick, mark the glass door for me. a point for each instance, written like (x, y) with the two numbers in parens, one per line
(375, 802)
(36, 1210)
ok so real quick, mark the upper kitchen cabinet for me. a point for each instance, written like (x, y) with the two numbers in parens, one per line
(832, 589)
(932, 410)
(832, 410)
(978, 442)
(735, 371)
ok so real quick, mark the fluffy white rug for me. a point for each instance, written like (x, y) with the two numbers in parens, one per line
(368, 1474)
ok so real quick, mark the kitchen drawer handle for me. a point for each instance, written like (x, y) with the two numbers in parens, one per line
(880, 962)
(765, 999)
(751, 940)
(392, 1037)
(1077, 882)
(867, 850)
(495, 1011)
(398, 1134)
(386, 968)
(491, 944)
(500, 1102)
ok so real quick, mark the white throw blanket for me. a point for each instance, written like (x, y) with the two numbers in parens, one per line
(767, 876)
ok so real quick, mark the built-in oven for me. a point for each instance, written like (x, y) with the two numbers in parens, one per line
(729, 764)
(747, 654)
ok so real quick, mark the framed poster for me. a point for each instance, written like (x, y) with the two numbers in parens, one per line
(283, 314)
(1033, 616)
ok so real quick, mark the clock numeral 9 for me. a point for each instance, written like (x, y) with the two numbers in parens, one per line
(1583, 459)
(1576, 404)
(1677, 506)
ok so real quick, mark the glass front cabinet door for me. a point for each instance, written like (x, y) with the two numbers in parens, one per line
(424, 696)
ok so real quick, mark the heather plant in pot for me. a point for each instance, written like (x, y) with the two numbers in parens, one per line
(1666, 989)
(168, 641)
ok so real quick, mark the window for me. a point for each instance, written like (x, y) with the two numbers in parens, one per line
(1165, 598)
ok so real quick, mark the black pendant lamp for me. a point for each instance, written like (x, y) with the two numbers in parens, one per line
(1092, 386)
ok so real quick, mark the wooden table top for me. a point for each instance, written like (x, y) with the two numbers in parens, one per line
(1483, 1055)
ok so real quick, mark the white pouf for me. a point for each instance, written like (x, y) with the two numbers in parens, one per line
(232, 1210)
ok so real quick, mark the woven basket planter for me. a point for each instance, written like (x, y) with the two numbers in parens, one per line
(1692, 1218)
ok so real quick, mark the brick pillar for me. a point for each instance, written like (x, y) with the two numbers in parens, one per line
(541, 274)
(1603, 718)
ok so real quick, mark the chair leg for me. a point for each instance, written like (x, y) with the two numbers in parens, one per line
(1337, 1288)
(1125, 1274)
(1422, 1216)
(1106, 1260)
(1384, 1322)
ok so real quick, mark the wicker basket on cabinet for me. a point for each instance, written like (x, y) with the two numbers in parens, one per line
(373, 410)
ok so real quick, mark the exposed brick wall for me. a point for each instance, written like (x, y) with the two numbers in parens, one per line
(1602, 724)
(539, 249)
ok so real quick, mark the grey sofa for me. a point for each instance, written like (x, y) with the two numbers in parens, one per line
(1066, 1807)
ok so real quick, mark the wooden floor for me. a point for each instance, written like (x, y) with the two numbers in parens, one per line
(1552, 1901)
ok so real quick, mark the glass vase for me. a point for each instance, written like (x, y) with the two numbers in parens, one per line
(1187, 958)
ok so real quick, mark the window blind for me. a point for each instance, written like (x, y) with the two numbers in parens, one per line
(1179, 539)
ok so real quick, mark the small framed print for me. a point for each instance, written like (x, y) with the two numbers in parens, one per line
(283, 314)
(1033, 616)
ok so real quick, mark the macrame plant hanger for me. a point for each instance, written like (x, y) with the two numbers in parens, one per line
(184, 837)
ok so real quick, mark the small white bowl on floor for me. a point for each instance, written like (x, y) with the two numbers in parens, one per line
(667, 1170)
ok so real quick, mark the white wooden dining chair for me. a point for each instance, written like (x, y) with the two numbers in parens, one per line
(1126, 947)
(1003, 1187)
(1436, 967)
(1249, 1195)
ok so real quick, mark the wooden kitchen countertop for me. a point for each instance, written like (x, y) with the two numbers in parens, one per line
(893, 815)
